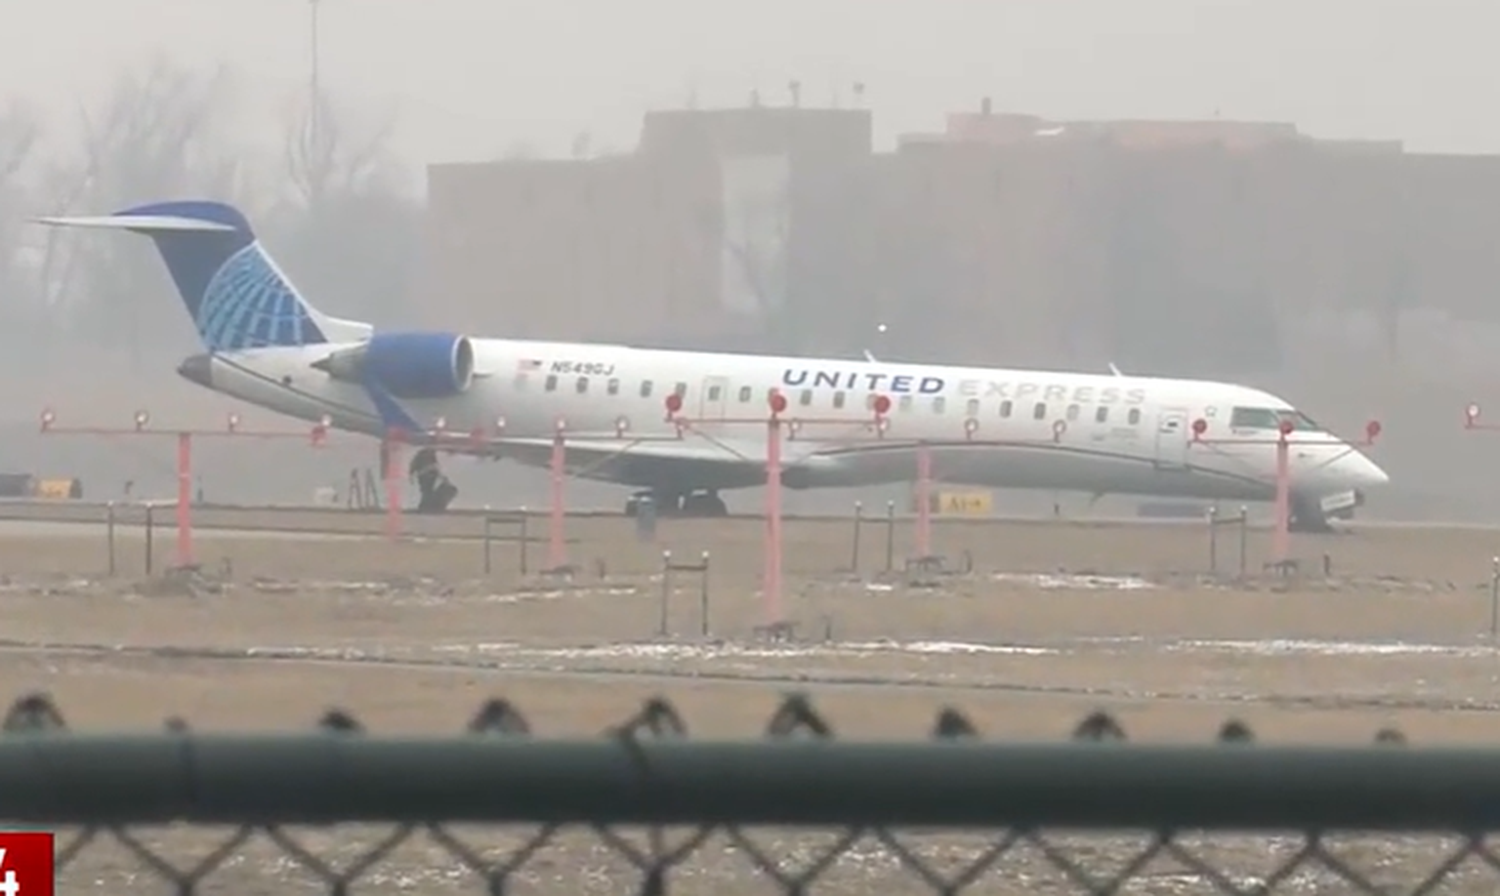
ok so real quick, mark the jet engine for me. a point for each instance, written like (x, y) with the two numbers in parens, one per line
(407, 365)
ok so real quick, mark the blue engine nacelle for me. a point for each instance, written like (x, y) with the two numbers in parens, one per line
(407, 365)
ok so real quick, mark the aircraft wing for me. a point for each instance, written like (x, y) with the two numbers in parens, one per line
(716, 463)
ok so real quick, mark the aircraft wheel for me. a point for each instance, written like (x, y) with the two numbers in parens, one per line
(1308, 521)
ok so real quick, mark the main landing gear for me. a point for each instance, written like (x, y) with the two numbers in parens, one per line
(1310, 519)
(697, 503)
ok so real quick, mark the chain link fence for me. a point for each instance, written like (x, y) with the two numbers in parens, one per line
(644, 809)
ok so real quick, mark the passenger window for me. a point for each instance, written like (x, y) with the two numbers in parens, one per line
(583, 385)
(905, 404)
(745, 393)
(681, 390)
(613, 387)
(805, 398)
(1005, 407)
(1102, 414)
(714, 392)
(551, 382)
(645, 388)
(1072, 412)
(972, 407)
(838, 399)
(1134, 416)
(1040, 411)
(938, 404)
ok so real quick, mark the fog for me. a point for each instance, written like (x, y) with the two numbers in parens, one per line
(104, 103)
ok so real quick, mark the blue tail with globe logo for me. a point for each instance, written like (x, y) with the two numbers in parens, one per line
(237, 296)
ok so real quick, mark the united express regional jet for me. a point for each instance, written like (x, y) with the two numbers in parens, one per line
(983, 427)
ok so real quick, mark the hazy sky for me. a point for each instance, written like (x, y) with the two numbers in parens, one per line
(474, 76)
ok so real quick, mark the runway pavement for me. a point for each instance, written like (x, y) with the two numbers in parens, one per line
(467, 522)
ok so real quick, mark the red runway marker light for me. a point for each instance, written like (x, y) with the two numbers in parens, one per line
(1372, 430)
(1200, 426)
(674, 404)
(882, 404)
(777, 401)
(1286, 427)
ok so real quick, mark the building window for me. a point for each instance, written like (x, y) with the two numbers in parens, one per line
(645, 388)
(1040, 411)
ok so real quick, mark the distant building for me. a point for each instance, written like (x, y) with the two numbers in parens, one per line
(1195, 247)
(686, 237)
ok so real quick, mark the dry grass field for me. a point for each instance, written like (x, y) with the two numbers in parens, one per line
(1053, 622)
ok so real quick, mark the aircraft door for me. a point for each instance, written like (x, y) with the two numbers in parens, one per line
(1172, 439)
(715, 398)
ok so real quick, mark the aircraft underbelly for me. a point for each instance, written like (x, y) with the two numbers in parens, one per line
(1013, 467)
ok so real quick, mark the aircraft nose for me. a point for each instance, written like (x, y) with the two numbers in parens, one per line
(198, 369)
(1365, 472)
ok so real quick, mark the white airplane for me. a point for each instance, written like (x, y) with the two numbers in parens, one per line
(849, 423)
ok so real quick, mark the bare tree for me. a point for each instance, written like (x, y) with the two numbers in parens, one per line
(350, 234)
(327, 155)
(20, 308)
(160, 134)
(752, 233)
(19, 133)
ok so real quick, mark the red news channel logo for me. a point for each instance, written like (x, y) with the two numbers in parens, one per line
(26, 860)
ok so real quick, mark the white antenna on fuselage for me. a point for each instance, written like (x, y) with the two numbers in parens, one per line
(1114, 370)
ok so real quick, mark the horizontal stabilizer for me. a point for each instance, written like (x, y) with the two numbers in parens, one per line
(146, 223)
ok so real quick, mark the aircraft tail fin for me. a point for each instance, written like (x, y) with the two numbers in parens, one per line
(232, 288)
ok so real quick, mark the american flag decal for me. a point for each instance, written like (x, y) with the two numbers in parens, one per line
(528, 364)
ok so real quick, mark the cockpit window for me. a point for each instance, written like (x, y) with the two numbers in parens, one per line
(1270, 418)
